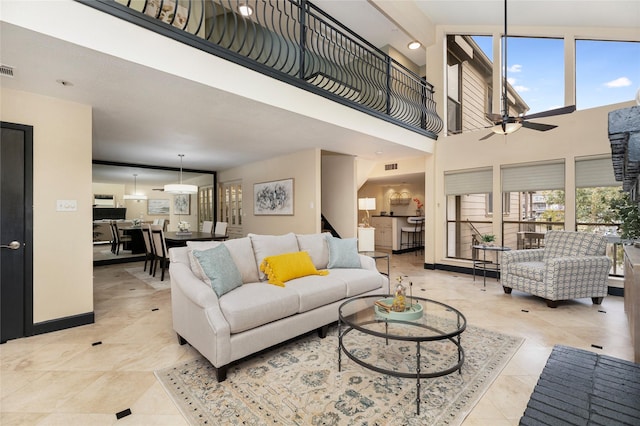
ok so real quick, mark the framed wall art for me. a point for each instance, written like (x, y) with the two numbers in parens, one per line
(273, 198)
(182, 204)
(156, 207)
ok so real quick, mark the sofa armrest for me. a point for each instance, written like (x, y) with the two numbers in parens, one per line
(367, 262)
(197, 316)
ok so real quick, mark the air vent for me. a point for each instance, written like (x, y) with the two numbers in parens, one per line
(393, 166)
(6, 71)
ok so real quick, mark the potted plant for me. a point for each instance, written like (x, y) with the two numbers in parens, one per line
(627, 213)
(487, 239)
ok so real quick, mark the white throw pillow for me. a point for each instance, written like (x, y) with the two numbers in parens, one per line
(316, 246)
(271, 245)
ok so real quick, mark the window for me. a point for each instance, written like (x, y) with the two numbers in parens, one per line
(506, 203)
(454, 106)
(607, 72)
(535, 70)
(596, 189)
(539, 191)
(466, 192)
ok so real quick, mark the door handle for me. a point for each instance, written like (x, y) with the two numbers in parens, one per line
(13, 245)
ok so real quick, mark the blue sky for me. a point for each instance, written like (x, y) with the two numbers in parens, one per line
(606, 72)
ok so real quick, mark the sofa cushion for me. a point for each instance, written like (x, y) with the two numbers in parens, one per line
(241, 252)
(358, 281)
(270, 245)
(256, 304)
(530, 270)
(317, 247)
(343, 252)
(218, 268)
(315, 291)
(287, 266)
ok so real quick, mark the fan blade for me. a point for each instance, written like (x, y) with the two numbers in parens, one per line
(486, 137)
(538, 126)
(551, 112)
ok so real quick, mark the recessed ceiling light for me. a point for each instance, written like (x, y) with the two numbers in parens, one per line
(415, 44)
(64, 83)
(245, 10)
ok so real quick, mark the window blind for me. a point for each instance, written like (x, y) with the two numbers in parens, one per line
(594, 172)
(468, 182)
(533, 177)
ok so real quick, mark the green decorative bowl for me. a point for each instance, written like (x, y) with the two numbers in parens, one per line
(411, 313)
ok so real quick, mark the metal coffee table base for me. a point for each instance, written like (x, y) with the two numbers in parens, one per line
(417, 375)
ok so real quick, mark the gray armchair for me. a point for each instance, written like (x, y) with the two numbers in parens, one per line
(572, 265)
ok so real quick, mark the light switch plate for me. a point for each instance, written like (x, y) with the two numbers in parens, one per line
(67, 205)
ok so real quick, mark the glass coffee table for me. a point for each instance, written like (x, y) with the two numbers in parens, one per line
(362, 328)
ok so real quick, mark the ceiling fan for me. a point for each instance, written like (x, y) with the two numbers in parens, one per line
(503, 123)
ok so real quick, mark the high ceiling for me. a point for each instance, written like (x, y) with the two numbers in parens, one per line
(145, 116)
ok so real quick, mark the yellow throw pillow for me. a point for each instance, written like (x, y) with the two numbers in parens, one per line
(284, 267)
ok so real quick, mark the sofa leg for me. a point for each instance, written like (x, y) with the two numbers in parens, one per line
(322, 331)
(181, 340)
(552, 303)
(597, 300)
(507, 290)
(221, 373)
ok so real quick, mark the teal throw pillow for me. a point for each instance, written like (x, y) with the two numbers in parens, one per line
(343, 253)
(218, 268)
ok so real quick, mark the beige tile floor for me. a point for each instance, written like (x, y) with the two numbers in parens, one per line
(60, 378)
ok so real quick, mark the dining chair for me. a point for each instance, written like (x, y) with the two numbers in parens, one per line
(119, 238)
(149, 252)
(207, 226)
(161, 255)
(221, 228)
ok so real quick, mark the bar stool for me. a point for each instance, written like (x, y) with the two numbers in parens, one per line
(414, 233)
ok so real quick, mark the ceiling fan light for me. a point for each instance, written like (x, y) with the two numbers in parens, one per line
(506, 128)
(181, 188)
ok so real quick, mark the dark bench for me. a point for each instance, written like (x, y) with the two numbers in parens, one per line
(579, 387)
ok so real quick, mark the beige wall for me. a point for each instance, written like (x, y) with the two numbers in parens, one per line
(582, 133)
(62, 241)
(339, 195)
(304, 168)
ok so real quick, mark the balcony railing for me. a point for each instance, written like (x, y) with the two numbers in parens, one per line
(296, 42)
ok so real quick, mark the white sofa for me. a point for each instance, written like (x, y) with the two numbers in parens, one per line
(257, 315)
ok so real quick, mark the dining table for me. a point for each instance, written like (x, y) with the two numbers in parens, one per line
(179, 239)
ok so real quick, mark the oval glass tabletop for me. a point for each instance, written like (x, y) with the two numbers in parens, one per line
(437, 322)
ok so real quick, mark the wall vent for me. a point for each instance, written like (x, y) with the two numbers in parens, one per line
(6, 71)
(393, 166)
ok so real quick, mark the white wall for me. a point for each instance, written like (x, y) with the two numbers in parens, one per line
(62, 241)
(304, 168)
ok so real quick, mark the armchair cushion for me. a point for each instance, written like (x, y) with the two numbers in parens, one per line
(530, 270)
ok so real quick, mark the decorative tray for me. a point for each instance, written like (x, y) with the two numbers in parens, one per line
(411, 313)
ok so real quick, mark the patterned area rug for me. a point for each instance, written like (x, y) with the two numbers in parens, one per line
(149, 279)
(298, 383)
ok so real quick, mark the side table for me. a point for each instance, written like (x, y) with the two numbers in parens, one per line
(487, 265)
(378, 255)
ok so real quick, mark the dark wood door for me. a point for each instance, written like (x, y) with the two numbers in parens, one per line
(16, 231)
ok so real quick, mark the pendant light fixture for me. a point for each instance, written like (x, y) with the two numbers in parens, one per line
(180, 188)
(135, 196)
